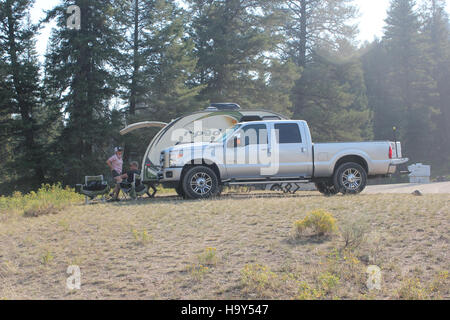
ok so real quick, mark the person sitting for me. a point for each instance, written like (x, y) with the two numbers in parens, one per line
(129, 175)
(128, 179)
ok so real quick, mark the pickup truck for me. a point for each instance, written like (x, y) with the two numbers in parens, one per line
(275, 151)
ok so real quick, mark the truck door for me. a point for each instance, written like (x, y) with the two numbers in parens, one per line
(295, 155)
(243, 151)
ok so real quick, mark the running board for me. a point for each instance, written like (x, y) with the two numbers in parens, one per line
(266, 182)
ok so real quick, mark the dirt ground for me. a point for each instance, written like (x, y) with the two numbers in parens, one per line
(240, 246)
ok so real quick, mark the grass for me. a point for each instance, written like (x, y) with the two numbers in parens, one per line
(49, 199)
(239, 246)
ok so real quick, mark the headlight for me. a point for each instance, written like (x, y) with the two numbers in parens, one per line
(175, 157)
(161, 159)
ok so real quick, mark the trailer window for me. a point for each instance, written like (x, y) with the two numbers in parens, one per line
(288, 133)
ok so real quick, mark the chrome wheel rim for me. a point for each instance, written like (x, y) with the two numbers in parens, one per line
(351, 179)
(201, 183)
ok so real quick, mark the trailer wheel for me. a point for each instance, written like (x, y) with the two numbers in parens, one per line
(350, 178)
(327, 189)
(200, 183)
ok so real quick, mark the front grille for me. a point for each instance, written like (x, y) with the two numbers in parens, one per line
(161, 159)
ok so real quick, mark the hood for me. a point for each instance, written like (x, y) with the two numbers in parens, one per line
(197, 145)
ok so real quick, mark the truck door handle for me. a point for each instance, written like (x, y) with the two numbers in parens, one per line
(303, 149)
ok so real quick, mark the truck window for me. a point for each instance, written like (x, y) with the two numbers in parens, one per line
(255, 134)
(288, 133)
(252, 134)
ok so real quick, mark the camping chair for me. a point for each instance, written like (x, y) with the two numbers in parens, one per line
(93, 187)
(135, 189)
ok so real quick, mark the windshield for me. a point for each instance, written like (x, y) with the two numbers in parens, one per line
(227, 133)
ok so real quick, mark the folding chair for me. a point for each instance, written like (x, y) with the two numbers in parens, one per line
(135, 189)
(101, 188)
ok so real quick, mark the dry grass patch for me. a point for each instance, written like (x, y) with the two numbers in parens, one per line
(406, 236)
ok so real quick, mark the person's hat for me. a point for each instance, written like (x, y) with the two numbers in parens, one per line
(117, 149)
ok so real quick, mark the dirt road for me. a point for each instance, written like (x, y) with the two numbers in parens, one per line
(431, 188)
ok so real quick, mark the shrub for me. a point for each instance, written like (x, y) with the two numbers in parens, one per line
(346, 266)
(320, 222)
(305, 292)
(258, 279)
(198, 271)
(47, 258)
(49, 199)
(440, 284)
(412, 289)
(328, 281)
(208, 257)
(354, 233)
(326, 284)
(142, 238)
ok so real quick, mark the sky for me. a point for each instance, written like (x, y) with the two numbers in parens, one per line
(371, 20)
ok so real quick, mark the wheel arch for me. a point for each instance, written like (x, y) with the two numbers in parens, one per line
(202, 162)
(352, 158)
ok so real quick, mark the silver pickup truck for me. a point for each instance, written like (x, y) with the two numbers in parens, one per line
(269, 152)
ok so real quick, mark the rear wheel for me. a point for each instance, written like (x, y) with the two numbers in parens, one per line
(350, 178)
(327, 188)
(200, 183)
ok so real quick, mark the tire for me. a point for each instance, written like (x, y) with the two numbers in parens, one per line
(200, 183)
(219, 190)
(350, 178)
(180, 191)
(327, 189)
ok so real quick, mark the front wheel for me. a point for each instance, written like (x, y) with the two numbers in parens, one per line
(200, 183)
(350, 178)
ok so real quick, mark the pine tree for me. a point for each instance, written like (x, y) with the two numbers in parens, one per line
(376, 69)
(158, 66)
(232, 39)
(80, 67)
(20, 92)
(170, 64)
(157, 50)
(436, 30)
(316, 23)
(313, 28)
(410, 85)
(332, 96)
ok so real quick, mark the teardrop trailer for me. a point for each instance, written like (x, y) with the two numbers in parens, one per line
(172, 158)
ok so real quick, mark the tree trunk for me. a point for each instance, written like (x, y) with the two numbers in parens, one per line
(303, 35)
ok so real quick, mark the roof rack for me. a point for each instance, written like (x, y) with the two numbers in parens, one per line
(224, 107)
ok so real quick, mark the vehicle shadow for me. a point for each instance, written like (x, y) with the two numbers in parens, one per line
(234, 196)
